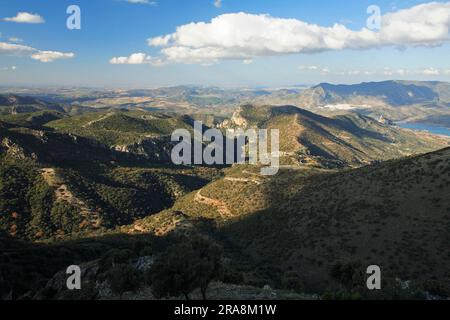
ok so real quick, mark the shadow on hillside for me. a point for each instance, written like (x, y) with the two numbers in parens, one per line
(26, 266)
(363, 215)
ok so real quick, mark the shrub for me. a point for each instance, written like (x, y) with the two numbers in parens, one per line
(292, 281)
(349, 274)
(233, 276)
(115, 257)
(436, 288)
(185, 267)
(124, 278)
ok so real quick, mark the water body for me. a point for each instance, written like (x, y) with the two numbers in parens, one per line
(426, 127)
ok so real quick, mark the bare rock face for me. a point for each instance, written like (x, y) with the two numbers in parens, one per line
(93, 284)
(144, 263)
(121, 148)
(158, 149)
(238, 120)
(13, 149)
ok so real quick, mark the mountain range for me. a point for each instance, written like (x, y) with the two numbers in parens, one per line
(339, 141)
(91, 184)
(409, 101)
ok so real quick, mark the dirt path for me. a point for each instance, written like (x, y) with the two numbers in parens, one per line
(243, 180)
(106, 116)
(221, 207)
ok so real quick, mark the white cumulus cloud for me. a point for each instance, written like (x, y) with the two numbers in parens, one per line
(315, 69)
(431, 72)
(400, 72)
(25, 17)
(244, 36)
(13, 49)
(50, 56)
(136, 58)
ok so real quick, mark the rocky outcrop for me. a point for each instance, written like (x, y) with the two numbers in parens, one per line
(93, 283)
(14, 150)
(238, 120)
(158, 149)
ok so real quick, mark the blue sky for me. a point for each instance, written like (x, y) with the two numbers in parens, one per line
(118, 29)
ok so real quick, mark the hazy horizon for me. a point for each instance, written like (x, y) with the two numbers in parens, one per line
(249, 87)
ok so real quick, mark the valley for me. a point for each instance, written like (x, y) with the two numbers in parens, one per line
(86, 178)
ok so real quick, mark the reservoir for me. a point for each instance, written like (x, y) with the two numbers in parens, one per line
(426, 127)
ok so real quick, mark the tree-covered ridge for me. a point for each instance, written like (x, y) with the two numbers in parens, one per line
(122, 127)
(56, 184)
(105, 178)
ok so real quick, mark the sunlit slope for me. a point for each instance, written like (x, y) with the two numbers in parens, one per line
(341, 141)
(54, 185)
(394, 214)
(122, 127)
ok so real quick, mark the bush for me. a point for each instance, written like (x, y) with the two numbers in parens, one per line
(436, 288)
(232, 276)
(124, 278)
(291, 281)
(87, 292)
(341, 295)
(349, 274)
(115, 257)
(185, 267)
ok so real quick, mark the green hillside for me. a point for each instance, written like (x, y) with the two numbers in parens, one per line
(121, 127)
(14, 104)
(347, 140)
(56, 185)
(104, 178)
(33, 119)
(394, 214)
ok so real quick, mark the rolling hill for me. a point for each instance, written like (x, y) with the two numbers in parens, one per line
(54, 185)
(101, 170)
(394, 215)
(394, 93)
(122, 129)
(13, 104)
(100, 179)
(339, 141)
(309, 222)
(395, 100)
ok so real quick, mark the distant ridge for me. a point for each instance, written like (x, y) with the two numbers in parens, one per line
(394, 93)
(338, 141)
